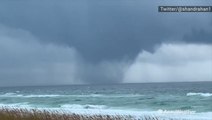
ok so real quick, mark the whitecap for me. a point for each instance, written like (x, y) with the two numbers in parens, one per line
(29, 96)
(10, 94)
(24, 105)
(176, 111)
(199, 94)
(87, 106)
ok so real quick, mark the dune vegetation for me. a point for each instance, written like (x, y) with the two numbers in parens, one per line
(24, 114)
(34, 114)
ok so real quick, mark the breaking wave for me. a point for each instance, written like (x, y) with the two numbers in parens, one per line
(199, 94)
(77, 106)
(24, 105)
(21, 95)
(56, 95)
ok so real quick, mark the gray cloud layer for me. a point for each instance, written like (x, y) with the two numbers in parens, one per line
(102, 41)
(26, 61)
(107, 29)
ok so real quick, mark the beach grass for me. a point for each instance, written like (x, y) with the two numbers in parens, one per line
(34, 114)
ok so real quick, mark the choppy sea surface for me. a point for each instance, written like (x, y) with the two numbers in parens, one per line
(187, 101)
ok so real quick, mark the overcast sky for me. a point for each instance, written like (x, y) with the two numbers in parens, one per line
(55, 42)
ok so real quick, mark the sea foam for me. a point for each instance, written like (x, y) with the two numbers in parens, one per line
(199, 94)
(27, 96)
(77, 106)
(11, 94)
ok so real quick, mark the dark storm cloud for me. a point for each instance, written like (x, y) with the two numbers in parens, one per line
(199, 36)
(24, 60)
(114, 28)
(102, 41)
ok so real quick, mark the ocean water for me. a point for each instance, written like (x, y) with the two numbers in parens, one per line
(187, 101)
